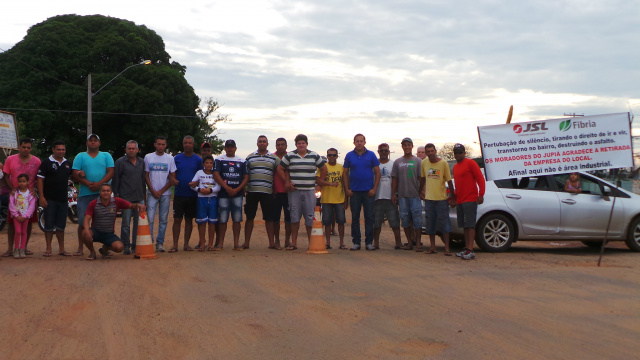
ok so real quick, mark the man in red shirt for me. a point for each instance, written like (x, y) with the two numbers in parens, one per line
(100, 219)
(469, 193)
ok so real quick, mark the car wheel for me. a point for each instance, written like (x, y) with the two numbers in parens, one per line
(495, 233)
(633, 237)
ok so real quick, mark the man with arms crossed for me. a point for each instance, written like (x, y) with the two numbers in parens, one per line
(333, 201)
(361, 179)
(91, 169)
(280, 200)
(185, 200)
(230, 171)
(469, 192)
(435, 174)
(129, 184)
(53, 182)
(159, 169)
(261, 166)
(383, 206)
(298, 168)
(100, 219)
(405, 182)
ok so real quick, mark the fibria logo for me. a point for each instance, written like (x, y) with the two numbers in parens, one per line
(531, 127)
(565, 125)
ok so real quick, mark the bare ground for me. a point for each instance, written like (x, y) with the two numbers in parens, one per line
(538, 300)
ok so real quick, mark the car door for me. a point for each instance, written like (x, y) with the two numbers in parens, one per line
(586, 214)
(535, 204)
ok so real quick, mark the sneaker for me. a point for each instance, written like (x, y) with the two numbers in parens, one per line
(16, 253)
(459, 254)
(127, 252)
(370, 247)
(160, 248)
(355, 247)
(23, 253)
(469, 255)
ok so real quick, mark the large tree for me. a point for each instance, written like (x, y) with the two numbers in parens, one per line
(46, 73)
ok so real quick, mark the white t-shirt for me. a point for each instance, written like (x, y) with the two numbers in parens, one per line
(205, 182)
(159, 168)
(384, 188)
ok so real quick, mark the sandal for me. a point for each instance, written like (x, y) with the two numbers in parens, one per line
(430, 251)
(78, 253)
(406, 247)
(172, 250)
(188, 248)
(218, 248)
(64, 253)
(275, 247)
(238, 248)
(419, 249)
(28, 252)
(211, 248)
(446, 253)
(91, 257)
(343, 247)
(328, 247)
(46, 254)
(291, 247)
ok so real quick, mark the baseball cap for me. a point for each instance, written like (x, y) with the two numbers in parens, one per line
(407, 139)
(205, 144)
(230, 143)
(90, 135)
(458, 148)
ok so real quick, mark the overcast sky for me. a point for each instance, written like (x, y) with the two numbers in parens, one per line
(429, 69)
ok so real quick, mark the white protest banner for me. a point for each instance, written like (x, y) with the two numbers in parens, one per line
(8, 134)
(556, 146)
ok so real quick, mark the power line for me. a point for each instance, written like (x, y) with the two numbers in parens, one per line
(104, 113)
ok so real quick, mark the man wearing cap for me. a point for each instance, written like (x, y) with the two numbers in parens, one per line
(129, 184)
(470, 186)
(21, 163)
(361, 179)
(91, 169)
(185, 200)
(383, 206)
(230, 171)
(435, 176)
(205, 149)
(405, 182)
(159, 168)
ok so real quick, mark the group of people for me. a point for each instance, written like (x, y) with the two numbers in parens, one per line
(210, 191)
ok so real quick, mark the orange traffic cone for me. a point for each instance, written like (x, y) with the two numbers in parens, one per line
(144, 245)
(316, 244)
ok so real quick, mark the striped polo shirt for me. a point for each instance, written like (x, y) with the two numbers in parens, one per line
(302, 170)
(261, 169)
(104, 217)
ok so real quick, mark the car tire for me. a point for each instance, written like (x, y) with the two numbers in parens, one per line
(495, 233)
(633, 235)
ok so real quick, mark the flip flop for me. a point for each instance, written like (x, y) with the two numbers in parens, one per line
(104, 252)
(78, 253)
(446, 253)
(275, 247)
(406, 247)
(172, 250)
(218, 248)
(419, 249)
(6, 254)
(64, 253)
(188, 248)
(291, 247)
(201, 249)
(46, 254)
(238, 248)
(245, 247)
(28, 252)
(91, 257)
(328, 247)
(431, 251)
(343, 247)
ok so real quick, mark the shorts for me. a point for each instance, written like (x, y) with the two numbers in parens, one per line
(251, 205)
(230, 205)
(207, 210)
(185, 207)
(328, 210)
(467, 213)
(302, 203)
(106, 238)
(280, 203)
(55, 215)
(437, 216)
(410, 211)
(83, 204)
(385, 207)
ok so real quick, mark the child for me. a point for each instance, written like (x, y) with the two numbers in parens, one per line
(573, 184)
(207, 190)
(21, 205)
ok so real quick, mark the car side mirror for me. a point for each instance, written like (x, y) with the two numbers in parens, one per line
(606, 190)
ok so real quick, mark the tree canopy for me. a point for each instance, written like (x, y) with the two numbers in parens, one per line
(46, 74)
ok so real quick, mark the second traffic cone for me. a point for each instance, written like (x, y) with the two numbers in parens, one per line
(316, 243)
(144, 245)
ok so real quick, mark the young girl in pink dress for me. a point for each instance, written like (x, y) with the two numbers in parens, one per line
(22, 204)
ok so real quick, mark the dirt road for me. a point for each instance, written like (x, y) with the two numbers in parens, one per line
(537, 301)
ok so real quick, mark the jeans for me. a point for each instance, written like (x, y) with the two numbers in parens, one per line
(358, 200)
(125, 230)
(163, 205)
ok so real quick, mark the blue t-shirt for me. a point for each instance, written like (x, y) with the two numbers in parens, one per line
(186, 169)
(231, 170)
(360, 167)
(94, 168)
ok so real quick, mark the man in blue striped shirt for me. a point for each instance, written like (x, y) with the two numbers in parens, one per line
(298, 168)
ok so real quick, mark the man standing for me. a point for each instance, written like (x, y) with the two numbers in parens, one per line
(469, 193)
(421, 153)
(185, 200)
(99, 221)
(405, 182)
(261, 166)
(361, 181)
(230, 171)
(53, 182)
(333, 200)
(129, 184)
(21, 163)
(435, 174)
(298, 168)
(383, 205)
(160, 171)
(91, 169)
(280, 200)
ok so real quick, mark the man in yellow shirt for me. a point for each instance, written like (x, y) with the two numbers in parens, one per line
(435, 174)
(333, 200)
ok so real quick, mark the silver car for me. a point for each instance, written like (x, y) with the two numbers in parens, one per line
(538, 208)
